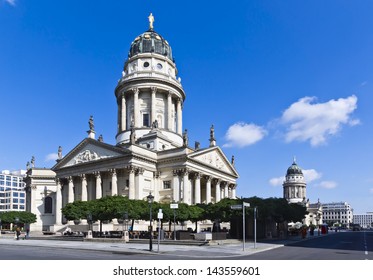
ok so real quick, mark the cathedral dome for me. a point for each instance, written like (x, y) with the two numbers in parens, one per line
(294, 169)
(150, 42)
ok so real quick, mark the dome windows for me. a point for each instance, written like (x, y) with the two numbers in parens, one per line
(159, 66)
(146, 64)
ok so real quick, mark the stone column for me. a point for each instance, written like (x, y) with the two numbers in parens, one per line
(114, 182)
(187, 198)
(176, 186)
(217, 191)
(131, 182)
(169, 112)
(197, 189)
(179, 118)
(58, 203)
(233, 194)
(123, 121)
(139, 183)
(153, 103)
(208, 189)
(226, 191)
(156, 187)
(70, 197)
(84, 188)
(98, 185)
(136, 110)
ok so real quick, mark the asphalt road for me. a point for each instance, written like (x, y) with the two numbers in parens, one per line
(347, 245)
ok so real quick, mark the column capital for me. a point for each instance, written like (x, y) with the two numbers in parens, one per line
(83, 177)
(113, 172)
(70, 179)
(135, 90)
(154, 89)
(139, 171)
(197, 175)
(208, 178)
(156, 174)
(97, 174)
(176, 172)
(217, 181)
(130, 168)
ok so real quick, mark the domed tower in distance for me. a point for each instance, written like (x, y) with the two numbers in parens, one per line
(149, 95)
(294, 184)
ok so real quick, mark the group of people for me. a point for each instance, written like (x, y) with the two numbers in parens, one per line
(18, 233)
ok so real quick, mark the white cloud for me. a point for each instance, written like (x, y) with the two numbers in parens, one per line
(243, 134)
(327, 185)
(315, 122)
(276, 182)
(51, 157)
(11, 2)
(311, 175)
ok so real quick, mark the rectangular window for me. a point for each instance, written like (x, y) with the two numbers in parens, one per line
(21, 201)
(15, 206)
(15, 194)
(145, 120)
(166, 185)
(22, 195)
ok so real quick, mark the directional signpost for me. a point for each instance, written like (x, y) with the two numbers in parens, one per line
(174, 206)
(239, 207)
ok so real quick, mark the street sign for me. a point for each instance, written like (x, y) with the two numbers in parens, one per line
(236, 206)
(246, 204)
(160, 214)
(174, 206)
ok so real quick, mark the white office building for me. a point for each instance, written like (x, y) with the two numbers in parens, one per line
(12, 191)
(337, 212)
(364, 220)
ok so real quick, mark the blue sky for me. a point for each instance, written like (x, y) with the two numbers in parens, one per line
(277, 79)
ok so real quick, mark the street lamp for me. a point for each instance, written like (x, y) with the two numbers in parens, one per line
(89, 219)
(150, 199)
(125, 220)
(18, 231)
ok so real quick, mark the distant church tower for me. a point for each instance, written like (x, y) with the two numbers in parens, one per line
(294, 184)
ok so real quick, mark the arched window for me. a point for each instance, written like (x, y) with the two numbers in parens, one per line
(48, 203)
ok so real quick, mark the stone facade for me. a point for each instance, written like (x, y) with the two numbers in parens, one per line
(151, 154)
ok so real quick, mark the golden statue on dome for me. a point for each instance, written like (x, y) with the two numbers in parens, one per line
(151, 21)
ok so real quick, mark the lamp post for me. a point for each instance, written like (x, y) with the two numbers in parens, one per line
(150, 199)
(1, 227)
(125, 220)
(18, 231)
(89, 219)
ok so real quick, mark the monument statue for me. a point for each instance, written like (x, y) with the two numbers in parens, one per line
(59, 152)
(151, 21)
(91, 124)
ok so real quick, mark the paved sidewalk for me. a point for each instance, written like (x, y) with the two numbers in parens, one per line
(210, 251)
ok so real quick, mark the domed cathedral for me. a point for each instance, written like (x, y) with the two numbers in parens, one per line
(152, 152)
(294, 184)
(295, 192)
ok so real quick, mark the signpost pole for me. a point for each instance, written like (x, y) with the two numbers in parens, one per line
(243, 225)
(255, 227)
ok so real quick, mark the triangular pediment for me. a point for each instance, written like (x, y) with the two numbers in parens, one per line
(89, 150)
(215, 158)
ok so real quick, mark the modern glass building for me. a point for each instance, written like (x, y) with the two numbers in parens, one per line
(12, 191)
